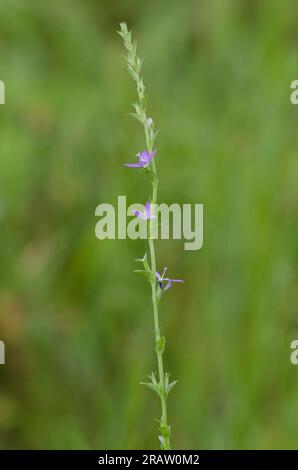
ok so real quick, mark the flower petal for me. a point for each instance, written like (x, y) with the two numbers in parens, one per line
(148, 209)
(146, 156)
(133, 165)
(140, 215)
(168, 285)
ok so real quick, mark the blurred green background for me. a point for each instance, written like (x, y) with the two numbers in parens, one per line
(76, 321)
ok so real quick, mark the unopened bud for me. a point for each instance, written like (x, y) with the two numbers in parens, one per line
(150, 123)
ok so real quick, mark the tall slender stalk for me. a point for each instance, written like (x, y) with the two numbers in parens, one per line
(159, 352)
(159, 284)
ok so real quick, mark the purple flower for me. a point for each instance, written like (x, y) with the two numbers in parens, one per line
(168, 281)
(146, 215)
(145, 158)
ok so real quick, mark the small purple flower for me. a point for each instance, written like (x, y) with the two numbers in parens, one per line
(168, 281)
(146, 215)
(145, 158)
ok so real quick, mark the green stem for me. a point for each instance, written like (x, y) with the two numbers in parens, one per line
(164, 418)
(134, 64)
(163, 400)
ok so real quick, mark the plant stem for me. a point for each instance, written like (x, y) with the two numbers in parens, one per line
(134, 65)
(164, 419)
(164, 416)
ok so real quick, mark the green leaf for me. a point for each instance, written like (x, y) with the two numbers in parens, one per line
(137, 117)
(153, 385)
(169, 386)
(146, 266)
(137, 108)
(165, 430)
(134, 47)
(160, 345)
(132, 72)
(142, 260)
(152, 378)
(162, 442)
(139, 63)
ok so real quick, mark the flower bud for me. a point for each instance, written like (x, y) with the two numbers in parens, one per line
(150, 123)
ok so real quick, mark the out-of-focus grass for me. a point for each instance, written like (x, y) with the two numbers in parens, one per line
(76, 321)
